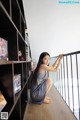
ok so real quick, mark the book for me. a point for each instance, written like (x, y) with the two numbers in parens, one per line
(3, 101)
(3, 49)
(17, 83)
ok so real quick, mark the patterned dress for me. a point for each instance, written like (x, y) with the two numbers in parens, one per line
(38, 90)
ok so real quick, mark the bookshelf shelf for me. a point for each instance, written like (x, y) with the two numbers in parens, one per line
(14, 72)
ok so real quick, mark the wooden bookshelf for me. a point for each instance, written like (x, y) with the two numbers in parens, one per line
(12, 29)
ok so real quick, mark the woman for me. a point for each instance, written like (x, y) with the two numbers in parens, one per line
(41, 83)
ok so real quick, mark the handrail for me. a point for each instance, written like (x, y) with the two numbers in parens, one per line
(71, 53)
(67, 81)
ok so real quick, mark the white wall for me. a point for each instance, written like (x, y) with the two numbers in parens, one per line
(52, 27)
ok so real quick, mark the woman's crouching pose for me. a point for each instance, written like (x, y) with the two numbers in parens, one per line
(41, 82)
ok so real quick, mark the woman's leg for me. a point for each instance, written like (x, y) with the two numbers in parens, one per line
(48, 87)
(48, 84)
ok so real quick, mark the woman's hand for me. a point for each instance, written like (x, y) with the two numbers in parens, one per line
(57, 64)
(60, 56)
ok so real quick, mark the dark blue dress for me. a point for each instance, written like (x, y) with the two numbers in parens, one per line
(38, 90)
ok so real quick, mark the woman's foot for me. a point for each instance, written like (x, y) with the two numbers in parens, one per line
(47, 100)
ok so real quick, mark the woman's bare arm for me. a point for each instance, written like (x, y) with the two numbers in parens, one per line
(57, 62)
(54, 67)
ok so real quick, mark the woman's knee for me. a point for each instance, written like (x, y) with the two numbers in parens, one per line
(49, 81)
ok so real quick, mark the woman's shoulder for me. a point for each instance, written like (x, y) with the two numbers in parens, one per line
(43, 66)
(47, 68)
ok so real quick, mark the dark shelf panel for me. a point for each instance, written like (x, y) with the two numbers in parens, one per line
(21, 6)
(16, 112)
(24, 73)
(22, 47)
(8, 23)
(22, 27)
(5, 22)
(4, 62)
(6, 81)
(17, 68)
(15, 13)
(6, 3)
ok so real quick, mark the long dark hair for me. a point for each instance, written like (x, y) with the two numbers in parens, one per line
(42, 55)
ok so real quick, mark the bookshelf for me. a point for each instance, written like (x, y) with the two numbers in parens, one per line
(12, 29)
